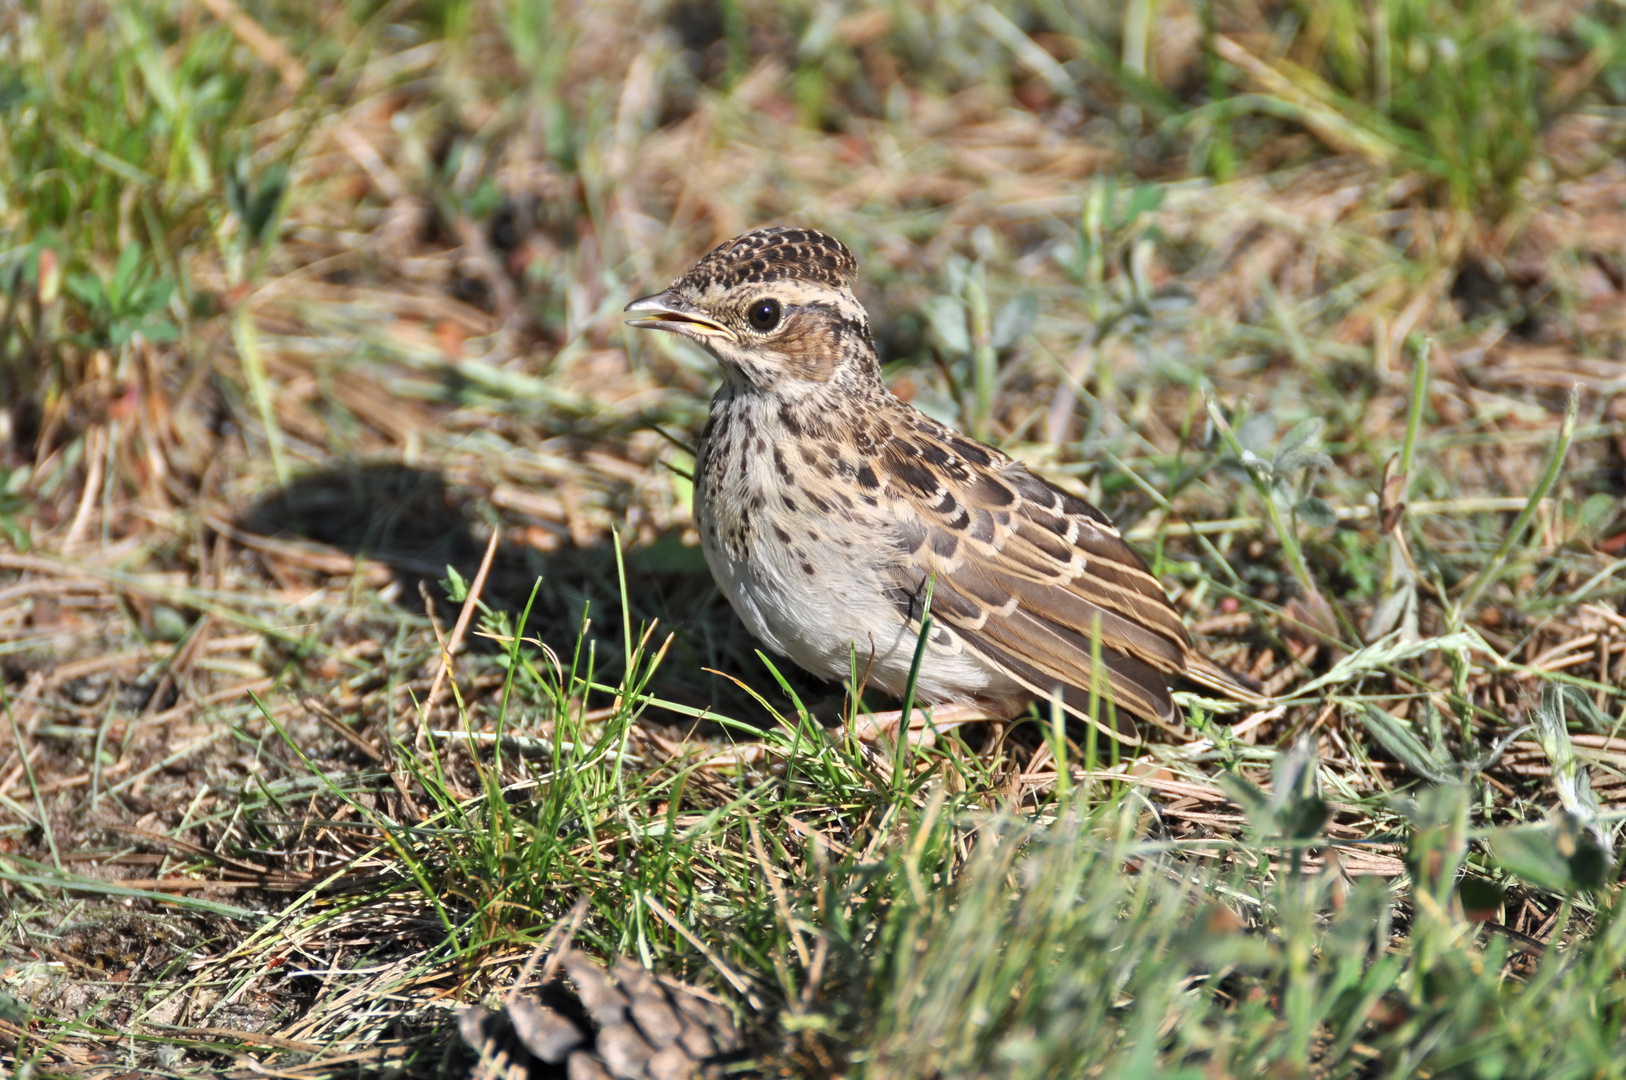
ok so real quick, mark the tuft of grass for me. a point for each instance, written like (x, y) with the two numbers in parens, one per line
(1460, 94)
(1047, 959)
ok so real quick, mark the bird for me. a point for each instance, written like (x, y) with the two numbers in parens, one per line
(837, 519)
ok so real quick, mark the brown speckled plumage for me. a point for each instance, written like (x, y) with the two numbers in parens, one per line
(828, 508)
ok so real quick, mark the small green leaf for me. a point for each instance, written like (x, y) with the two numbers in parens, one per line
(1015, 319)
(1293, 808)
(1560, 855)
(1295, 793)
(1439, 842)
(126, 275)
(1593, 515)
(454, 585)
(255, 198)
(151, 298)
(946, 316)
(12, 1010)
(1481, 898)
(1302, 819)
(159, 330)
(1256, 432)
(87, 289)
(1253, 800)
(1394, 737)
(1316, 512)
(1303, 434)
(1144, 200)
(1297, 449)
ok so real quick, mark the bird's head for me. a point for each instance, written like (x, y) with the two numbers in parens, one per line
(775, 307)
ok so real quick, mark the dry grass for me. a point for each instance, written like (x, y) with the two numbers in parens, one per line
(239, 826)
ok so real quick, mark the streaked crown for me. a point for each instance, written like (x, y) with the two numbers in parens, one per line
(768, 255)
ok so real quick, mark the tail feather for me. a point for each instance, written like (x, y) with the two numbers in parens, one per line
(1205, 672)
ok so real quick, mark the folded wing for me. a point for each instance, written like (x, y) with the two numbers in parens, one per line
(1030, 577)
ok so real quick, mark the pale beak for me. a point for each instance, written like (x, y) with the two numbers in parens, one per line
(664, 311)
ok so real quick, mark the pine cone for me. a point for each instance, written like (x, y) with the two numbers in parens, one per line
(619, 1024)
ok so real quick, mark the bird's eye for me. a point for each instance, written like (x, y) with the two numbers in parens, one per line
(764, 314)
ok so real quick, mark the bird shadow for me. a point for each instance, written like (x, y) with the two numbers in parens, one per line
(417, 525)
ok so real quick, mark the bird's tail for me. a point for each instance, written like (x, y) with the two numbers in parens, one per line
(1205, 672)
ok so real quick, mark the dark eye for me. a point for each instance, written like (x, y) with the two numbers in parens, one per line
(764, 314)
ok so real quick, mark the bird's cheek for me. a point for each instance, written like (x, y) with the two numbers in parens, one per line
(808, 356)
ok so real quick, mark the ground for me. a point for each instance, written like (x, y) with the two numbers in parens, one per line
(313, 378)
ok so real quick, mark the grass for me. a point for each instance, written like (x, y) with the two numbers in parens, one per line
(355, 648)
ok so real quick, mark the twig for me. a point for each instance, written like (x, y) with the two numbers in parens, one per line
(470, 602)
(93, 485)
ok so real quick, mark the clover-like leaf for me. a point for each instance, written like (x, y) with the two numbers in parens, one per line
(1316, 512)
(1293, 808)
(1015, 319)
(1256, 432)
(1481, 898)
(1561, 854)
(1298, 451)
(946, 316)
(1407, 749)
(1399, 609)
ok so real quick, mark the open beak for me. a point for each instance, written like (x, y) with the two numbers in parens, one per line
(664, 311)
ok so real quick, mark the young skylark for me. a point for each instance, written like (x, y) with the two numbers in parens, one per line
(829, 509)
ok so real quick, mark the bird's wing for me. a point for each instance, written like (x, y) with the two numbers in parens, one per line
(1028, 576)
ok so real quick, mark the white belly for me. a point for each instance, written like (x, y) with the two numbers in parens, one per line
(839, 617)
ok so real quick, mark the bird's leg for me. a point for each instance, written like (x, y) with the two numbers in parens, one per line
(871, 726)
